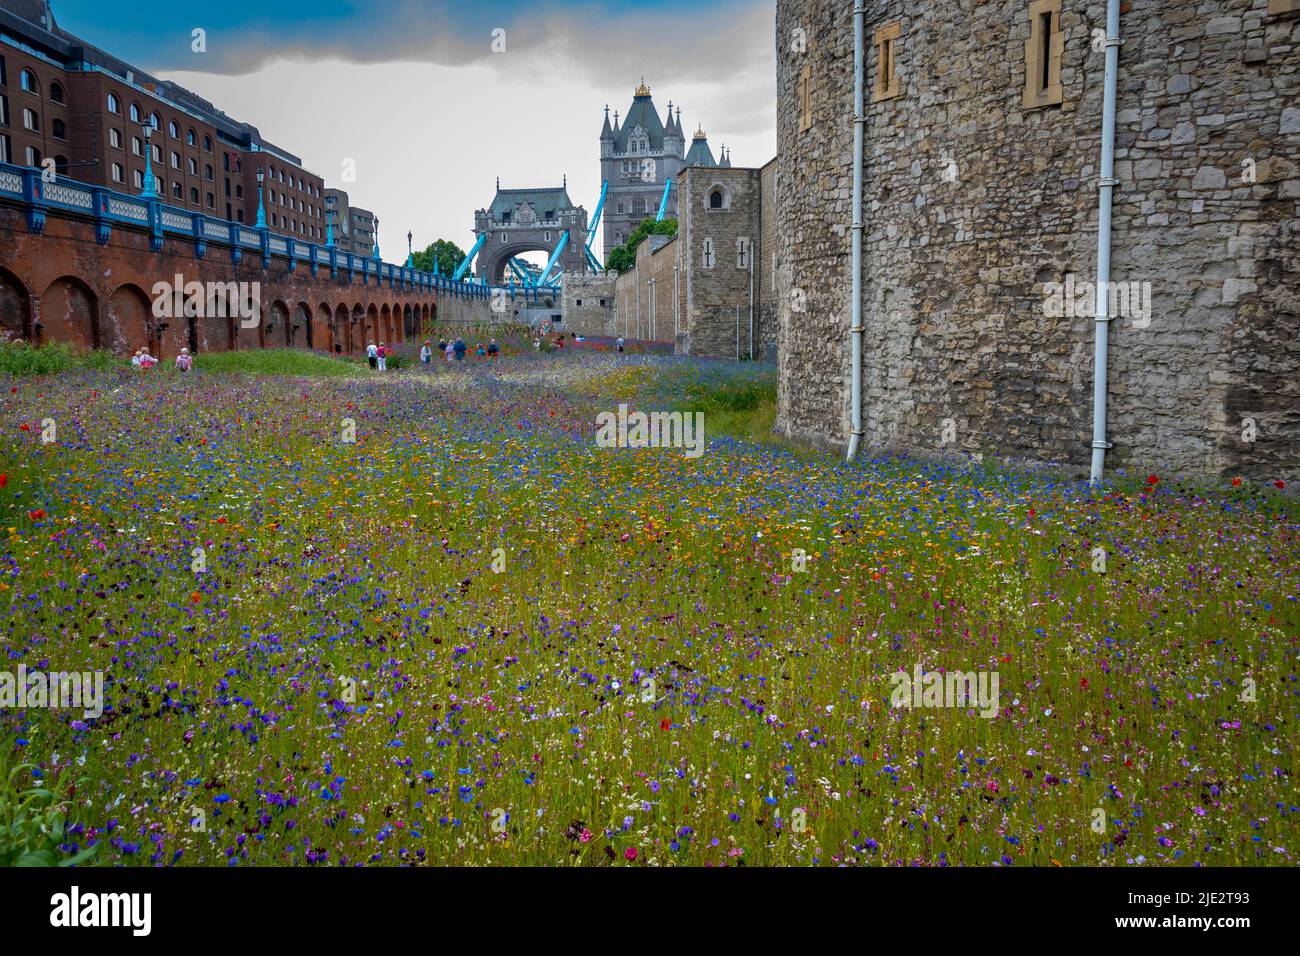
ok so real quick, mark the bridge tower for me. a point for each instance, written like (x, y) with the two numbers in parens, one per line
(530, 220)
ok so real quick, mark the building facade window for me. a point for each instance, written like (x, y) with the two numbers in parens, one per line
(191, 138)
(31, 120)
(207, 144)
(4, 110)
(885, 40)
(58, 129)
(136, 146)
(6, 153)
(56, 92)
(119, 175)
(194, 195)
(193, 165)
(114, 104)
(742, 252)
(1043, 52)
(173, 130)
(708, 254)
(137, 179)
(135, 113)
(176, 160)
(33, 156)
(27, 80)
(715, 199)
(115, 138)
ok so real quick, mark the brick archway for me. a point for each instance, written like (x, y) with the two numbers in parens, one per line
(15, 307)
(68, 310)
(130, 324)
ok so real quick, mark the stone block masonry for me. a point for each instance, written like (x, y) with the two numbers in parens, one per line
(980, 194)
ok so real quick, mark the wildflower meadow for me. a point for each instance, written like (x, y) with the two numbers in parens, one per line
(422, 617)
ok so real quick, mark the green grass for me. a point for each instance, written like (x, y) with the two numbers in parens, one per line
(278, 362)
(19, 358)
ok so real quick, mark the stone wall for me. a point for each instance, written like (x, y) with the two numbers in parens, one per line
(975, 204)
(588, 303)
(644, 307)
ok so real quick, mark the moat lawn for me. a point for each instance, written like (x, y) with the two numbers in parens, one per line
(470, 635)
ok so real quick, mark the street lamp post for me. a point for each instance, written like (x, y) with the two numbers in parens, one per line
(410, 254)
(376, 249)
(329, 228)
(149, 192)
(261, 209)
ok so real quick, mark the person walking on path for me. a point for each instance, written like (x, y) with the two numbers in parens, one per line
(382, 355)
(619, 343)
(426, 353)
(372, 355)
(460, 349)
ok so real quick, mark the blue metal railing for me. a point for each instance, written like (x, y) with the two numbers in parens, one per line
(109, 209)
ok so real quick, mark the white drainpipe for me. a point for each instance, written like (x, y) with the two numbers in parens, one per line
(1102, 289)
(855, 325)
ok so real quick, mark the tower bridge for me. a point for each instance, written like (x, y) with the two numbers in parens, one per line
(529, 220)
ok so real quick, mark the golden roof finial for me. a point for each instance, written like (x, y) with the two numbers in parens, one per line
(699, 133)
(642, 90)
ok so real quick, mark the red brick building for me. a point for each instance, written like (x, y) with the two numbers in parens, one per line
(63, 99)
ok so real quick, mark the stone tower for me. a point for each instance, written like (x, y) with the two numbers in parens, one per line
(636, 157)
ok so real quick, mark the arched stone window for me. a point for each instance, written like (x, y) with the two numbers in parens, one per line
(715, 199)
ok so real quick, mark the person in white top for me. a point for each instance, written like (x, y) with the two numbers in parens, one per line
(184, 362)
(426, 353)
(372, 355)
(451, 351)
(135, 359)
(147, 360)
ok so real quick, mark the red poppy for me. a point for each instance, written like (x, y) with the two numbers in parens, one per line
(221, 521)
(36, 515)
(1083, 682)
(24, 427)
(1152, 479)
(1279, 484)
(629, 853)
(1031, 512)
(1236, 482)
(665, 724)
(4, 479)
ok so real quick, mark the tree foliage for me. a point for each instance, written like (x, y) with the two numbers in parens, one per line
(444, 253)
(624, 257)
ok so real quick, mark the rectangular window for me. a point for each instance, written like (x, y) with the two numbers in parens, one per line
(885, 41)
(31, 121)
(115, 138)
(1043, 52)
(708, 253)
(4, 77)
(4, 110)
(5, 152)
(805, 99)
(742, 252)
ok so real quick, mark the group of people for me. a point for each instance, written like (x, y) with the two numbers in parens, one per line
(143, 360)
(455, 350)
(377, 356)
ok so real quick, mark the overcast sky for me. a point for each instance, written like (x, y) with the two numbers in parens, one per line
(413, 92)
